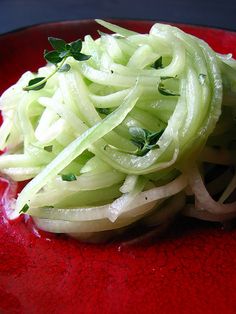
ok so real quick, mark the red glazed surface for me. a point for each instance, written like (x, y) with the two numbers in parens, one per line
(190, 270)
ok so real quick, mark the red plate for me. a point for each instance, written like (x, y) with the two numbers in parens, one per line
(190, 270)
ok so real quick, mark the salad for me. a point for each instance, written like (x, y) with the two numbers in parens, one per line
(122, 130)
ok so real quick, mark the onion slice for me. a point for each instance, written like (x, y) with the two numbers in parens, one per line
(203, 200)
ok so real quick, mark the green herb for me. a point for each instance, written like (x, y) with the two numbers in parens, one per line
(105, 111)
(36, 84)
(144, 139)
(68, 177)
(48, 148)
(24, 209)
(163, 78)
(58, 56)
(202, 78)
(158, 64)
(65, 68)
(7, 138)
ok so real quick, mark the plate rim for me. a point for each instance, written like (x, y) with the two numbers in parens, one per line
(114, 20)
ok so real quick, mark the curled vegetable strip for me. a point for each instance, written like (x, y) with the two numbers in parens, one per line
(77, 147)
(145, 199)
(121, 130)
(203, 199)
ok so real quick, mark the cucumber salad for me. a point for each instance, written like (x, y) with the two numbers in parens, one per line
(122, 130)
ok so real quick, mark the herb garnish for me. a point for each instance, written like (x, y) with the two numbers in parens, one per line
(48, 148)
(24, 209)
(105, 111)
(68, 177)
(158, 63)
(144, 139)
(58, 56)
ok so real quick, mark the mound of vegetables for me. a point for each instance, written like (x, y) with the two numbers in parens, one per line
(128, 128)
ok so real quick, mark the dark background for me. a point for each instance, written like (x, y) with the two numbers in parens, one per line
(20, 13)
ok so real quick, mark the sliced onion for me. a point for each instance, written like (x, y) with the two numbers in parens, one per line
(203, 199)
(59, 226)
(166, 212)
(191, 211)
(141, 204)
(229, 190)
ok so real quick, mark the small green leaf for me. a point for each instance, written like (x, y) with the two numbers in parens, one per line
(202, 78)
(163, 78)
(65, 68)
(105, 111)
(57, 43)
(68, 47)
(138, 133)
(24, 209)
(154, 137)
(62, 51)
(64, 54)
(153, 146)
(166, 92)
(142, 152)
(158, 63)
(52, 56)
(76, 45)
(68, 177)
(35, 82)
(145, 140)
(137, 143)
(7, 138)
(48, 148)
(80, 56)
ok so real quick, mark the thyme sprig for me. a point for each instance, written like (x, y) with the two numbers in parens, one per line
(58, 57)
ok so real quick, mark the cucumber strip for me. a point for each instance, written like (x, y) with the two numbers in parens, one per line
(89, 181)
(115, 28)
(76, 148)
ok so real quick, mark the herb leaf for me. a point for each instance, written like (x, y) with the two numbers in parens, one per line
(105, 111)
(68, 177)
(137, 143)
(154, 137)
(24, 209)
(48, 148)
(65, 68)
(145, 140)
(76, 46)
(57, 43)
(138, 133)
(34, 84)
(158, 63)
(163, 78)
(58, 56)
(79, 56)
(52, 56)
